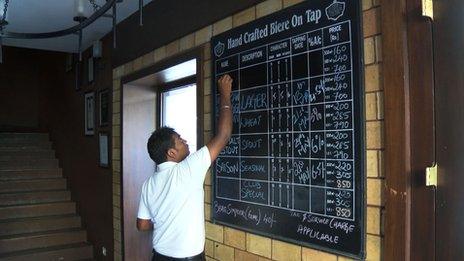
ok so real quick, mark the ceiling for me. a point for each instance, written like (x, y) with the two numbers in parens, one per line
(36, 16)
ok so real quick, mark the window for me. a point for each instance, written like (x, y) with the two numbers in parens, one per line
(179, 111)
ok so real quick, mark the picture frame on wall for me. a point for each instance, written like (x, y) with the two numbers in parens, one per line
(103, 138)
(89, 113)
(104, 109)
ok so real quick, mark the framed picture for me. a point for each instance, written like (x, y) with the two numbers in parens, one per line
(90, 70)
(89, 113)
(103, 145)
(104, 109)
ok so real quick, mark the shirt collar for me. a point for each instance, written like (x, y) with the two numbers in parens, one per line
(165, 165)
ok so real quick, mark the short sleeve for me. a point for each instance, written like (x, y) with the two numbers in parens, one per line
(144, 212)
(196, 164)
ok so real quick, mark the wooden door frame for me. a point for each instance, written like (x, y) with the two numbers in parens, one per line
(409, 131)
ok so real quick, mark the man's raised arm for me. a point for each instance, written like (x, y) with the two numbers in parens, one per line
(224, 129)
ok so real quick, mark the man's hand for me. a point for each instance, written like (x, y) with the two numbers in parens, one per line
(225, 85)
(224, 129)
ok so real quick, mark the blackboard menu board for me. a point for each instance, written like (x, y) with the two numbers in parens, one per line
(294, 167)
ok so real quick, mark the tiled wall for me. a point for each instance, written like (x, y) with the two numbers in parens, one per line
(223, 243)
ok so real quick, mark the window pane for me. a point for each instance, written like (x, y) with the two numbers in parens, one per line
(180, 112)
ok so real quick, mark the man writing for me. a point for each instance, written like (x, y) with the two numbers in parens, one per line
(172, 199)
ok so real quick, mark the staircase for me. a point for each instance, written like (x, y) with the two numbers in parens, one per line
(38, 220)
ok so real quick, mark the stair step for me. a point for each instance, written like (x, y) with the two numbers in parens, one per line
(37, 210)
(21, 242)
(8, 199)
(25, 147)
(26, 155)
(30, 174)
(23, 136)
(29, 164)
(32, 185)
(38, 224)
(80, 251)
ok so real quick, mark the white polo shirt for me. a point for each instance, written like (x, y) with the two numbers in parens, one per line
(173, 198)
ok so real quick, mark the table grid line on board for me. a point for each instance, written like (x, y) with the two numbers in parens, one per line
(292, 107)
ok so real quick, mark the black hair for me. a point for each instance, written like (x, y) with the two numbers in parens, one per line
(160, 141)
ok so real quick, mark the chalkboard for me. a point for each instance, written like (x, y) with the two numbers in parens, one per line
(294, 167)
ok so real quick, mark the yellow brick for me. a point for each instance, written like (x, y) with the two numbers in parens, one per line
(116, 130)
(371, 106)
(378, 48)
(187, 42)
(116, 177)
(116, 165)
(207, 86)
(208, 212)
(285, 251)
(380, 105)
(210, 259)
(381, 164)
(117, 256)
(234, 238)
(117, 247)
(244, 17)
(203, 35)
(159, 54)
(258, 245)
(117, 236)
(207, 69)
(116, 189)
(117, 119)
(116, 96)
(172, 48)
(116, 154)
(373, 246)
(366, 4)
(116, 201)
(208, 194)
(207, 136)
(268, 7)
(245, 256)
(223, 252)
(148, 59)
(311, 254)
(116, 143)
(373, 220)
(214, 232)
(118, 72)
(208, 177)
(342, 258)
(207, 51)
(371, 22)
(138, 63)
(116, 107)
(209, 248)
(287, 3)
(369, 50)
(374, 135)
(117, 213)
(222, 26)
(372, 78)
(116, 224)
(374, 192)
(372, 163)
(116, 84)
(207, 121)
(207, 104)
(128, 68)
(260, 258)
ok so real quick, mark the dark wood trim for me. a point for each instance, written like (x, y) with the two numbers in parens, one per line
(397, 190)
(421, 73)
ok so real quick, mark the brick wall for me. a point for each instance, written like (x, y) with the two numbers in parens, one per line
(224, 243)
